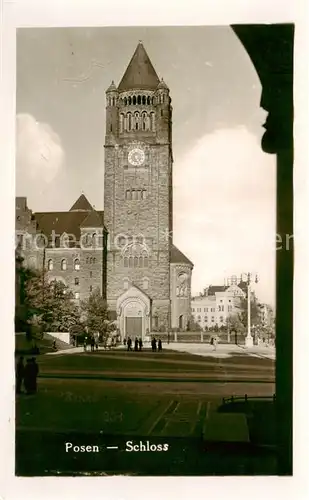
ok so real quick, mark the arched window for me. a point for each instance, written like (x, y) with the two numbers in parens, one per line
(76, 265)
(152, 121)
(129, 101)
(94, 240)
(134, 194)
(153, 101)
(125, 101)
(94, 260)
(144, 121)
(121, 120)
(50, 265)
(134, 100)
(136, 119)
(135, 255)
(148, 100)
(128, 194)
(163, 98)
(144, 99)
(63, 265)
(129, 121)
(144, 194)
(139, 99)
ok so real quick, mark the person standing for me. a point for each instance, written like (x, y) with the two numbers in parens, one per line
(159, 345)
(154, 344)
(136, 344)
(140, 344)
(20, 371)
(129, 343)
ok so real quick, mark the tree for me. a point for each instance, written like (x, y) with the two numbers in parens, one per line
(49, 305)
(255, 312)
(96, 316)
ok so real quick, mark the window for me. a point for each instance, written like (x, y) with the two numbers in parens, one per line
(144, 99)
(135, 255)
(129, 101)
(63, 265)
(125, 101)
(206, 319)
(129, 121)
(134, 100)
(222, 308)
(199, 319)
(212, 309)
(212, 319)
(121, 122)
(138, 99)
(230, 308)
(50, 265)
(90, 274)
(219, 308)
(221, 319)
(76, 265)
(76, 281)
(76, 295)
(90, 288)
(145, 283)
(193, 309)
(198, 309)
(148, 100)
(152, 121)
(136, 194)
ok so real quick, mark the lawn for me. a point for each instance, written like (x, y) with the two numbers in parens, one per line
(96, 411)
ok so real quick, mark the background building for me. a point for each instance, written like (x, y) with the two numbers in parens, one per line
(216, 305)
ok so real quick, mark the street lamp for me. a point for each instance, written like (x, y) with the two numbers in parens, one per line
(248, 279)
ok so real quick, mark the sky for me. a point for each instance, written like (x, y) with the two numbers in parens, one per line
(224, 185)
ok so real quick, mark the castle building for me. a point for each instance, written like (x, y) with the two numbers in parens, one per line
(127, 251)
(148, 278)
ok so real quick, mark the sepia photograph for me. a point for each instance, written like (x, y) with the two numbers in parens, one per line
(154, 251)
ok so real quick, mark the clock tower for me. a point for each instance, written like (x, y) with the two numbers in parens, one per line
(138, 198)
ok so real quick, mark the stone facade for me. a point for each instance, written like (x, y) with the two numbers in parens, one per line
(138, 195)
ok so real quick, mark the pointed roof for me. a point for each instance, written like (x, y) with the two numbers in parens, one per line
(140, 73)
(177, 257)
(112, 87)
(81, 205)
(94, 219)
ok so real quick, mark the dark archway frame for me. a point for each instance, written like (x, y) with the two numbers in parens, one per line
(271, 48)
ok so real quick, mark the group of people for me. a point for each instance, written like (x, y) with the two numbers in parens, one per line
(93, 342)
(154, 345)
(138, 344)
(26, 375)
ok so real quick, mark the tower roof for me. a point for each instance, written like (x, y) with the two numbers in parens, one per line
(112, 87)
(140, 73)
(81, 205)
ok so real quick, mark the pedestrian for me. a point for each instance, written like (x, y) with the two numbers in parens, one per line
(140, 344)
(124, 341)
(129, 343)
(136, 344)
(54, 346)
(159, 345)
(154, 344)
(92, 343)
(20, 371)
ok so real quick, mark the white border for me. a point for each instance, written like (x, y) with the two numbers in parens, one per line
(161, 12)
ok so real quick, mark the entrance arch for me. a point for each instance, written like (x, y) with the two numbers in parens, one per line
(133, 313)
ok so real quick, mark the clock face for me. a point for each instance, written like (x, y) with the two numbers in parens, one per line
(136, 157)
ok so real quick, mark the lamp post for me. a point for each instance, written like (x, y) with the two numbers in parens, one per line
(248, 279)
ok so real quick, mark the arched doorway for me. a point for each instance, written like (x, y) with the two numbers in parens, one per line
(180, 322)
(133, 319)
